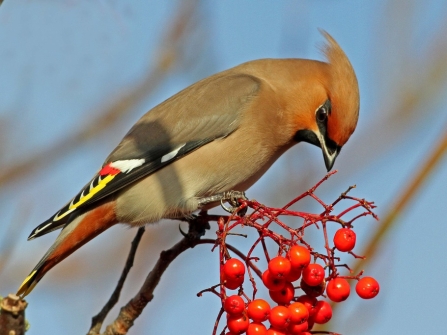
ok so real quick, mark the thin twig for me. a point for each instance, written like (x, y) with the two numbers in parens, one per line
(98, 319)
(237, 252)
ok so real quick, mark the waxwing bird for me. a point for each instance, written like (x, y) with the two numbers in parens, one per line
(217, 135)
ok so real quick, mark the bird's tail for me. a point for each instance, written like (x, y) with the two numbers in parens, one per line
(74, 235)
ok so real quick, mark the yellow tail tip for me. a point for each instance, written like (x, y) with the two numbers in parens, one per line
(27, 285)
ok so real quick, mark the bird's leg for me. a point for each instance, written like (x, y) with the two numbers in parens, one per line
(231, 197)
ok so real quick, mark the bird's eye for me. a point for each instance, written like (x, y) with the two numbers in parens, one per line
(321, 114)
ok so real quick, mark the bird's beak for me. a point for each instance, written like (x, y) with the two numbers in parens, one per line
(330, 151)
(329, 157)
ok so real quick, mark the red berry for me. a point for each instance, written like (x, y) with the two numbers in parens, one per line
(299, 256)
(258, 310)
(297, 329)
(233, 269)
(233, 284)
(283, 296)
(271, 282)
(272, 331)
(344, 239)
(324, 312)
(256, 329)
(279, 317)
(367, 288)
(313, 291)
(313, 274)
(294, 275)
(234, 305)
(233, 273)
(279, 267)
(310, 303)
(338, 289)
(237, 324)
(298, 313)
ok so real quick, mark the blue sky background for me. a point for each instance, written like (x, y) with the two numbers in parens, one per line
(63, 62)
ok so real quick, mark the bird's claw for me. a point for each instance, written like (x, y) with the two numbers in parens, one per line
(182, 232)
(233, 197)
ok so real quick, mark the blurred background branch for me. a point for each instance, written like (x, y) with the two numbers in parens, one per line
(405, 199)
(9, 240)
(169, 55)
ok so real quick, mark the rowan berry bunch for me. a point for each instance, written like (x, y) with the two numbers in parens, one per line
(299, 279)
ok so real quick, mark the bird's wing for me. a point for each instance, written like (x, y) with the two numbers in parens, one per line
(203, 112)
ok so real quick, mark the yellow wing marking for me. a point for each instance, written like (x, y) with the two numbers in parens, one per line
(103, 183)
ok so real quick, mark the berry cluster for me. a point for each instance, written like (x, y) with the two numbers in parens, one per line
(292, 315)
(298, 278)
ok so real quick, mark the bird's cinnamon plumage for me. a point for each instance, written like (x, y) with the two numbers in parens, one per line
(219, 134)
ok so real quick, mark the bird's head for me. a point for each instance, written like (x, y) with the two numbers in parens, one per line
(331, 111)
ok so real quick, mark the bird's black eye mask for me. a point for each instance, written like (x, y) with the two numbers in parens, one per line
(321, 117)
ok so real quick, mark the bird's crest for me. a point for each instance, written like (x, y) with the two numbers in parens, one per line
(344, 92)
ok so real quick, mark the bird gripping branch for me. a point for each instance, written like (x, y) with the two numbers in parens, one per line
(219, 134)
